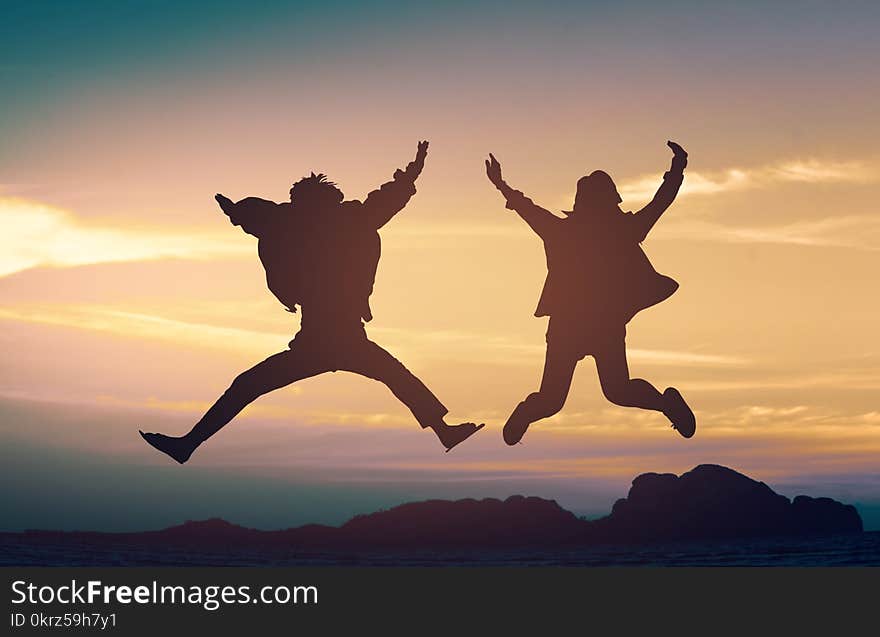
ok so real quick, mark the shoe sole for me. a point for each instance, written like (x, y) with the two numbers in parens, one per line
(688, 429)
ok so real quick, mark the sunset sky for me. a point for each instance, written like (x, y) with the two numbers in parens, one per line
(128, 301)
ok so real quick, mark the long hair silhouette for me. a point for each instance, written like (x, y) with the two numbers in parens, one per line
(598, 278)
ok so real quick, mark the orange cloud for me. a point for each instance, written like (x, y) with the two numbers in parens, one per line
(861, 232)
(733, 179)
(36, 234)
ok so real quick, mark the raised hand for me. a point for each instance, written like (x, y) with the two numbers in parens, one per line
(679, 156)
(225, 203)
(414, 168)
(493, 171)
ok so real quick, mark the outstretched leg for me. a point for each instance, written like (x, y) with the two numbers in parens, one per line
(273, 373)
(372, 361)
(617, 386)
(559, 366)
(622, 390)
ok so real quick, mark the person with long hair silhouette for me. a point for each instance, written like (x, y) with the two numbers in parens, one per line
(598, 278)
(321, 253)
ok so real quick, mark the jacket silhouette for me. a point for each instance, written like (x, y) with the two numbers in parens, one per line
(316, 244)
(582, 278)
(598, 279)
(321, 255)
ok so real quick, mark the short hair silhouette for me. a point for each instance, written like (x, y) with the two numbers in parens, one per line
(317, 189)
(320, 254)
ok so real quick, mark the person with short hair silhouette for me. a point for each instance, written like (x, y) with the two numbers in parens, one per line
(321, 253)
(598, 278)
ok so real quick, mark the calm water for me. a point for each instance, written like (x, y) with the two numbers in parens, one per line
(850, 550)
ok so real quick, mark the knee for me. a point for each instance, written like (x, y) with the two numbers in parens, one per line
(616, 392)
(244, 386)
(547, 403)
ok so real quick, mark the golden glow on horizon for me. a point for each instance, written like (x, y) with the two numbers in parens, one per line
(723, 379)
(416, 343)
(36, 234)
(775, 276)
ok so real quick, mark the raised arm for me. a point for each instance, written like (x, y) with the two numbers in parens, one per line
(645, 218)
(390, 198)
(539, 219)
(254, 215)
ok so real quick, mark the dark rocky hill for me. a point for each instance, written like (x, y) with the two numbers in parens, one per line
(712, 501)
(708, 502)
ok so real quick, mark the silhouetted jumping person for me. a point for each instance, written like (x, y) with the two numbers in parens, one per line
(321, 253)
(598, 278)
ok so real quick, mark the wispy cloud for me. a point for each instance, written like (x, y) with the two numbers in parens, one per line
(36, 234)
(814, 171)
(867, 379)
(138, 325)
(411, 344)
(844, 231)
(840, 231)
(695, 359)
(509, 349)
(860, 232)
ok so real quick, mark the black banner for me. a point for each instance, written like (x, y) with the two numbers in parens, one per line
(135, 601)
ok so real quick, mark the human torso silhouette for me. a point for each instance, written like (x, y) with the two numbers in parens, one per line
(598, 278)
(322, 257)
(321, 254)
(322, 260)
(597, 272)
